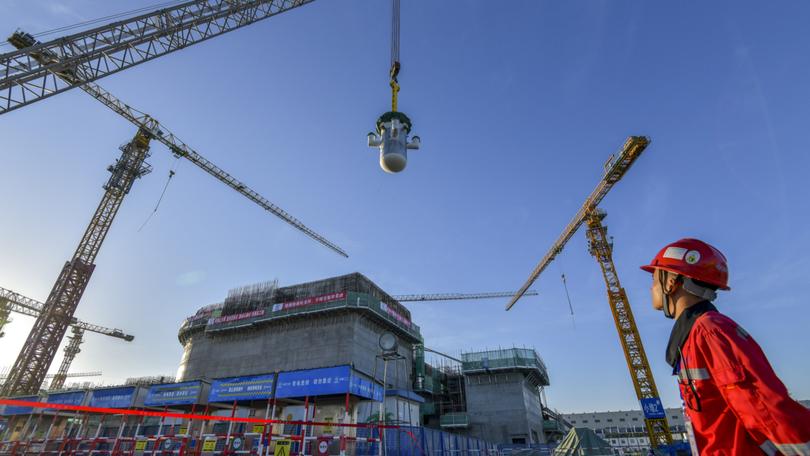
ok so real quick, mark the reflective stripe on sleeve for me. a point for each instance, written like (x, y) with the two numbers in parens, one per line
(700, 373)
(788, 449)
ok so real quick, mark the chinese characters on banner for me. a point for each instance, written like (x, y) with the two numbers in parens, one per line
(310, 301)
(397, 316)
(235, 317)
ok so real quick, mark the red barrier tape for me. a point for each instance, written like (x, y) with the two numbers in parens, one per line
(190, 416)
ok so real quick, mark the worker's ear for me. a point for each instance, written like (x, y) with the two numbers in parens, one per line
(672, 281)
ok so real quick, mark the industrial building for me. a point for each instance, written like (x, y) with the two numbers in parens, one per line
(624, 429)
(492, 395)
(338, 350)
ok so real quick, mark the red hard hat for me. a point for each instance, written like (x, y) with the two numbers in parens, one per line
(694, 259)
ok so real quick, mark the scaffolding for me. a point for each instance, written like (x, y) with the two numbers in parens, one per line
(350, 282)
(249, 297)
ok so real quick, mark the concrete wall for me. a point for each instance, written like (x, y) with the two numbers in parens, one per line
(502, 407)
(312, 341)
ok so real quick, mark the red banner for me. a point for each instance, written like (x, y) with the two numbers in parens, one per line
(234, 317)
(310, 301)
(397, 316)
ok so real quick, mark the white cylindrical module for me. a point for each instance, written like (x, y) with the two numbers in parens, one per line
(392, 140)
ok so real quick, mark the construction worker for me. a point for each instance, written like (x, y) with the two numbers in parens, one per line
(734, 400)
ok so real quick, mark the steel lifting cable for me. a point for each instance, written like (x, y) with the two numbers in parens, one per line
(395, 34)
(570, 307)
(172, 172)
(395, 65)
(561, 267)
(567, 296)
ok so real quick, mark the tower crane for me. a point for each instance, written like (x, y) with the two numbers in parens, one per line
(11, 301)
(120, 45)
(458, 296)
(600, 246)
(38, 352)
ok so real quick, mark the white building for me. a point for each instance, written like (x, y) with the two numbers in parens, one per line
(625, 430)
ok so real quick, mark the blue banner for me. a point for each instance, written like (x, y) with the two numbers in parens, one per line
(72, 398)
(314, 382)
(653, 408)
(185, 393)
(326, 381)
(366, 388)
(241, 388)
(122, 397)
(17, 410)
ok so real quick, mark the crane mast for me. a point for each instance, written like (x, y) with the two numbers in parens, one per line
(110, 48)
(602, 249)
(71, 350)
(38, 352)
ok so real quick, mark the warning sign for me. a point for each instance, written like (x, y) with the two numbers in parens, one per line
(282, 448)
(323, 447)
(140, 445)
(210, 444)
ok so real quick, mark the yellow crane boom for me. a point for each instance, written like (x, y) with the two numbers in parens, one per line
(615, 168)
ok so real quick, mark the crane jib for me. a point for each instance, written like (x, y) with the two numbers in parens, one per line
(617, 168)
(120, 45)
(31, 307)
(155, 131)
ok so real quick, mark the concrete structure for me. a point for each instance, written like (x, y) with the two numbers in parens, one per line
(625, 430)
(270, 351)
(330, 322)
(503, 395)
(492, 395)
(264, 328)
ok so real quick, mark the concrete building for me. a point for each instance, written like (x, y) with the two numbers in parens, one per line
(494, 395)
(316, 351)
(625, 429)
(503, 387)
(265, 328)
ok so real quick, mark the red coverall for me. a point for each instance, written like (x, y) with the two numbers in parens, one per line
(737, 404)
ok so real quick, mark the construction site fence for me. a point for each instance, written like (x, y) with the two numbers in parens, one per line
(147, 433)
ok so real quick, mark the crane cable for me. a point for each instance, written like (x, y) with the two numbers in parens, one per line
(172, 172)
(565, 285)
(395, 65)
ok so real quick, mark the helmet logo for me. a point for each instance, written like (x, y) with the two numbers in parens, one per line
(692, 256)
(676, 253)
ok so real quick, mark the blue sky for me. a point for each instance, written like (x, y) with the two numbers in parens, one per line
(517, 106)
